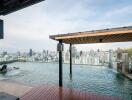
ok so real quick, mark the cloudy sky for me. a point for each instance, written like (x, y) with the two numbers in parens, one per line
(31, 27)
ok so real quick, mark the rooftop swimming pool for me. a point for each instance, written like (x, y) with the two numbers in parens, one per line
(95, 79)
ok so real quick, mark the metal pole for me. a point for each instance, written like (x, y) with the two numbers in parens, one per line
(60, 64)
(1, 29)
(70, 61)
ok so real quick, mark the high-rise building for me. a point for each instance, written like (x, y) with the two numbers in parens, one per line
(110, 58)
(18, 53)
(74, 51)
(30, 52)
(125, 62)
(44, 53)
(4, 53)
(67, 57)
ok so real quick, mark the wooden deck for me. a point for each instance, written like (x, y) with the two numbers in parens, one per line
(56, 93)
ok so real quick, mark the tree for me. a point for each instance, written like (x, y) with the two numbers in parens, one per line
(129, 51)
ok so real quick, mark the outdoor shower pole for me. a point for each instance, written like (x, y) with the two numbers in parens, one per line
(60, 49)
(70, 49)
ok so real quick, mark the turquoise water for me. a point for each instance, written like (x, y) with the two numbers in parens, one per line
(95, 79)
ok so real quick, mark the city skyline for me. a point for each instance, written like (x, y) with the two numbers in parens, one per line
(92, 57)
(65, 50)
(36, 23)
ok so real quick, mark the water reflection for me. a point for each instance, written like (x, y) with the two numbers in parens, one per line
(94, 79)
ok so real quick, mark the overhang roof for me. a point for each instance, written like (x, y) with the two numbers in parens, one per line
(121, 34)
(9, 6)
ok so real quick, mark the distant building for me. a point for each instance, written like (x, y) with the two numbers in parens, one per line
(119, 54)
(110, 58)
(18, 53)
(30, 52)
(74, 51)
(125, 62)
(122, 61)
(4, 53)
(66, 57)
(44, 53)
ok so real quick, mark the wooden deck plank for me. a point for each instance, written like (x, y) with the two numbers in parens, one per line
(32, 93)
(57, 93)
(40, 95)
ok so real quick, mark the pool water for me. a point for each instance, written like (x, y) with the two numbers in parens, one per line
(95, 79)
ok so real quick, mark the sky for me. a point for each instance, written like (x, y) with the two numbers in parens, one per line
(31, 27)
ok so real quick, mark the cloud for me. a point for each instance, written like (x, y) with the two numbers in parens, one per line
(123, 11)
(31, 27)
